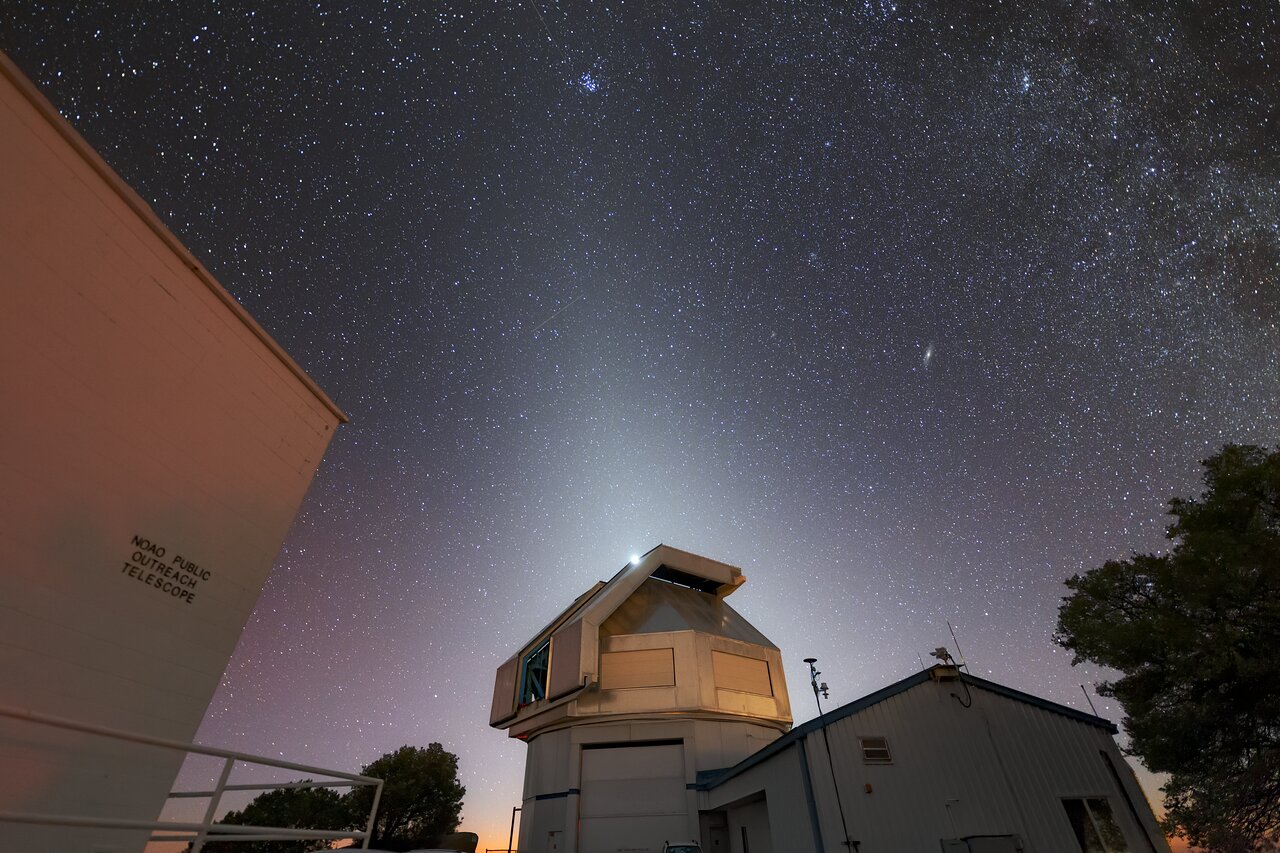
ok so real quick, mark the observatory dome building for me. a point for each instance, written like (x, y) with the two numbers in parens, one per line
(639, 685)
(654, 712)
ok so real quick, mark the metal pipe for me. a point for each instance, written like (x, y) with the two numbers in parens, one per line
(511, 836)
(265, 786)
(199, 832)
(209, 812)
(220, 829)
(373, 815)
(835, 786)
(164, 743)
(270, 836)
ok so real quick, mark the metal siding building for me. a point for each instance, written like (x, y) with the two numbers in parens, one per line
(1001, 774)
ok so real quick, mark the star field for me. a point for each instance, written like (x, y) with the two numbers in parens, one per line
(911, 310)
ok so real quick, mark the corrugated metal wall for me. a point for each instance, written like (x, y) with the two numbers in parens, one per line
(998, 767)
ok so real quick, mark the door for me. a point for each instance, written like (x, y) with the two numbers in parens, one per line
(633, 798)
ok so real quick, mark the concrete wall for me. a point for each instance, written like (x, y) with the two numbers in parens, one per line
(157, 446)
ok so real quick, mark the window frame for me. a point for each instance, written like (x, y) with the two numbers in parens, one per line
(1104, 838)
(524, 695)
(863, 748)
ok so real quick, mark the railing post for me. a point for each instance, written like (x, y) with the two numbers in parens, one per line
(373, 815)
(198, 844)
(198, 833)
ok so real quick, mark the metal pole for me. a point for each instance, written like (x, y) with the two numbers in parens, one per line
(198, 844)
(835, 786)
(511, 836)
(134, 737)
(373, 815)
(1087, 699)
(188, 831)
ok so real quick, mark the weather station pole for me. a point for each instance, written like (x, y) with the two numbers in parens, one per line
(835, 786)
(512, 835)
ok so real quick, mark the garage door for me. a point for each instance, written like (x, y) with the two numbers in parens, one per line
(633, 799)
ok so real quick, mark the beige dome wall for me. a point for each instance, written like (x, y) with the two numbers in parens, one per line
(653, 678)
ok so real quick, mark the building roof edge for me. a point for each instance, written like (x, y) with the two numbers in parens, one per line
(10, 71)
(713, 778)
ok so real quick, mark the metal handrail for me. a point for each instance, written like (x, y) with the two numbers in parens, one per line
(207, 829)
(269, 786)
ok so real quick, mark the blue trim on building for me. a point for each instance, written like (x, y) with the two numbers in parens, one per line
(705, 776)
(711, 779)
(1043, 704)
(572, 792)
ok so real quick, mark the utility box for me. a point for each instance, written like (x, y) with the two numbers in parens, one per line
(155, 447)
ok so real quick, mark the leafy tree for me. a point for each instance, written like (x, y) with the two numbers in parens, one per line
(421, 797)
(310, 808)
(1195, 635)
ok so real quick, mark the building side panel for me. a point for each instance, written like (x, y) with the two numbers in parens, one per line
(1075, 768)
(997, 767)
(504, 691)
(160, 450)
(780, 781)
(944, 780)
(741, 673)
(641, 668)
(750, 830)
(566, 660)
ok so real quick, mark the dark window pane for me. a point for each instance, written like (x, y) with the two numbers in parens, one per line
(533, 675)
(1086, 835)
(875, 750)
(1106, 823)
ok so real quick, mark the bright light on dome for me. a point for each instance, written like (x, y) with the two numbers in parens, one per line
(635, 558)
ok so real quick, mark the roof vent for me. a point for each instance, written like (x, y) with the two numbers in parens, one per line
(679, 578)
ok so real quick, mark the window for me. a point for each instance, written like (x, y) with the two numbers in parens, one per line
(533, 673)
(1095, 826)
(875, 750)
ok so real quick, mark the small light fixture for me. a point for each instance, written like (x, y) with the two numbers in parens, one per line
(635, 559)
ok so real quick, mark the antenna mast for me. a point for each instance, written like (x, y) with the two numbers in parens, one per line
(957, 642)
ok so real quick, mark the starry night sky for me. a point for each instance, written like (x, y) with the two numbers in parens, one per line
(910, 310)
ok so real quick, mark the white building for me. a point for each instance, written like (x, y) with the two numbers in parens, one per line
(941, 760)
(640, 685)
(654, 712)
(156, 445)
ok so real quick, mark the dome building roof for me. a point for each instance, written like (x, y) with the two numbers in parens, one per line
(657, 638)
